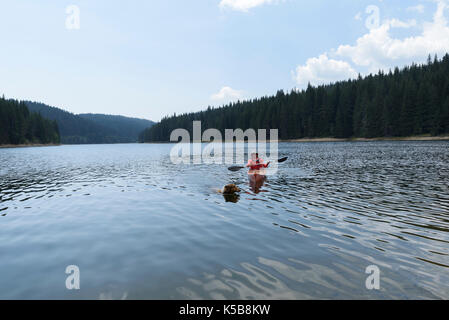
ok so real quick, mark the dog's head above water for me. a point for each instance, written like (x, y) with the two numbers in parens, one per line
(230, 189)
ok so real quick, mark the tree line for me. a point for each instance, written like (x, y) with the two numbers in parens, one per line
(399, 103)
(20, 126)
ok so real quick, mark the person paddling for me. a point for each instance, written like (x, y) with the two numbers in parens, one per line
(256, 163)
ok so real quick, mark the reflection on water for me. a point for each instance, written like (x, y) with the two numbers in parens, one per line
(291, 280)
(141, 227)
(256, 182)
(234, 198)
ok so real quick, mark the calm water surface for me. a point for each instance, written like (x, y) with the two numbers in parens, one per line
(140, 227)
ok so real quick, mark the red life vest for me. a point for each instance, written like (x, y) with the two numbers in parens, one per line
(256, 164)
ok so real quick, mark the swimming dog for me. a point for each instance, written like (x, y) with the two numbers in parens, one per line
(230, 189)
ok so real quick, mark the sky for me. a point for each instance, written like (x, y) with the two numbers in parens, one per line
(154, 58)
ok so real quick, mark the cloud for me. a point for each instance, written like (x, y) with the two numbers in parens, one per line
(323, 70)
(395, 23)
(419, 8)
(358, 16)
(379, 48)
(243, 5)
(227, 93)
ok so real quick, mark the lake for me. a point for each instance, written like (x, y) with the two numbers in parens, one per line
(140, 227)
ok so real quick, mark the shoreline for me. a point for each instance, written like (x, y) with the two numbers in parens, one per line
(301, 140)
(28, 145)
(412, 138)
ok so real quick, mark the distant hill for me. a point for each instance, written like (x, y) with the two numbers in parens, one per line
(128, 127)
(90, 128)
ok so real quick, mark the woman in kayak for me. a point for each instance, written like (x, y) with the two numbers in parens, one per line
(255, 164)
(256, 173)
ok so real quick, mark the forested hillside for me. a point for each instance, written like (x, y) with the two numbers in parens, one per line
(20, 126)
(129, 128)
(411, 101)
(88, 129)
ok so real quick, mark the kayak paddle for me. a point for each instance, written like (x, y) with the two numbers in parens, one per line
(282, 160)
(237, 168)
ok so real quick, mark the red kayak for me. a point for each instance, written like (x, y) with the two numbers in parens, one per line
(256, 179)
